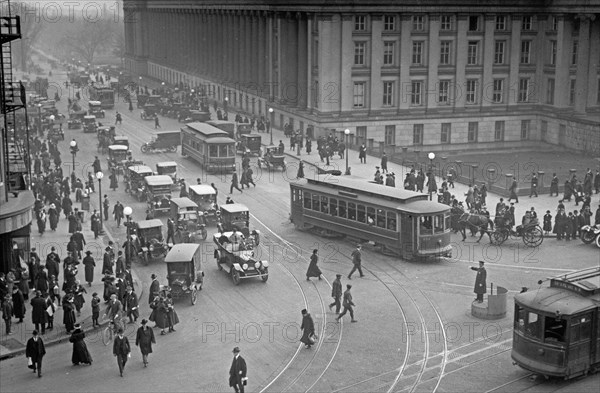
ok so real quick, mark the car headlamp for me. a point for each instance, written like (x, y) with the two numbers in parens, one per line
(245, 266)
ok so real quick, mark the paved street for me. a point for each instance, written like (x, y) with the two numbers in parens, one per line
(415, 331)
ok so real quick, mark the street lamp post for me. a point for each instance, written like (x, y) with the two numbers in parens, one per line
(271, 124)
(347, 133)
(99, 176)
(40, 130)
(74, 150)
(431, 156)
(128, 212)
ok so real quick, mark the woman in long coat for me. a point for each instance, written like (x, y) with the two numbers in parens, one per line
(308, 329)
(41, 222)
(114, 184)
(67, 206)
(69, 318)
(41, 283)
(18, 304)
(89, 263)
(53, 217)
(313, 269)
(159, 313)
(144, 339)
(80, 350)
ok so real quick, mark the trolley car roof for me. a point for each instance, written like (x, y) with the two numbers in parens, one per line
(234, 208)
(140, 169)
(182, 252)
(218, 140)
(94, 103)
(551, 300)
(145, 224)
(205, 129)
(158, 180)
(202, 189)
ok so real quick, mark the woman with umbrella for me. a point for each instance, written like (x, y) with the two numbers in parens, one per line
(80, 350)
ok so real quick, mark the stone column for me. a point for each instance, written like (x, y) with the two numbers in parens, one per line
(484, 90)
(405, 60)
(461, 58)
(583, 58)
(302, 86)
(328, 95)
(347, 62)
(563, 62)
(376, 57)
(594, 62)
(254, 61)
(288, 62)
(262, 63)
(247, 65)
(433, 60)
(511, 87)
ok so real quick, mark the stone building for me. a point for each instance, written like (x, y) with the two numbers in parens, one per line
(454, 76)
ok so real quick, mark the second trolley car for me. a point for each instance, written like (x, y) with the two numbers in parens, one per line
(209, 146)
(557, 328)
(400, 222)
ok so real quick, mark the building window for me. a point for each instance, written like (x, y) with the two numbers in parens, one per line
(525, 126)
(572, 92)
(417, 53)
(574, 53)
(472, 52)
(499, 48)
(554, 25)
(471, 97)
(473, 23)
(446, 23)
(553, 49)
(544, 129)
(576, 26)
(525, 52)
(498, 92)
(360, 23)
(359, 53)
(550, 92)
(418, 134)
(499, 130)
(388, 93)
(472, 131)
(418, 23)
(523, 95)
(389, 23)
(444, 91)
(416, 92)
(359, 94)
(445, 135)
(526, 23)
(500, 22)
(388, 52)
(390, 135)
(445, 52)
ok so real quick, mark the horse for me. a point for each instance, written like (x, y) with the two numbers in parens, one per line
(476, 222)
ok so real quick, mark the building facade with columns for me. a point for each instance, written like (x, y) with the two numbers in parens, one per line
(397, 74)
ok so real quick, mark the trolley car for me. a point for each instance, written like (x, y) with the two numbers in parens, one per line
(209, 146)
(398, 222)
(557, 328)
(225, 125)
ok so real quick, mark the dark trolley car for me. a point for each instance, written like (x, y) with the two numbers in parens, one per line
(557, 328)
(184, 270)
(209, 146)
(399, 222)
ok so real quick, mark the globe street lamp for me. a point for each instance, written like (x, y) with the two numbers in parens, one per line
(271, 123)
(99, 176)
(431, 156)
(74, 150)
(128, 212)
(347, 133)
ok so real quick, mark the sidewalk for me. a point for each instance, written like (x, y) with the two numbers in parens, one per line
(14, 345)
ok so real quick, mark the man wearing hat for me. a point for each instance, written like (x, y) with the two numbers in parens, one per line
(7, 311)
(35, 351)
(348, 304)
(356, 261)
(237, 372)
(108, 260)
(144, 339)
(52, 263)
(154, 289)
(121, 350)
(38, 312)
(89, 263)
(480, 281)
(336, 293)
(308, 329)
(131, 305)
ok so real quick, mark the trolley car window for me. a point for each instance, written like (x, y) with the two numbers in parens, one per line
(554, 330)
(370, 216)
(342, 212)
(581, 328)
(425, 225)
(438, 223)
(351, 211)
(307, 200)
(223, 151)
(333, 210)
(529, 323)
(361, 214)
(315, 202)
(380, 218)
(391, 221)
(447, 221)
(230, 151)
(324, 205)
(213, 151)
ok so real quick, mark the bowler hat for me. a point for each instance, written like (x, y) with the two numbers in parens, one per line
(88, 252)
(338, 275)
(144, 321)
(236, 350)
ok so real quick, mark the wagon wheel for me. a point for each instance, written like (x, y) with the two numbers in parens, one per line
(499, 236)
(194, 296)
(235, 276)
(533, 237)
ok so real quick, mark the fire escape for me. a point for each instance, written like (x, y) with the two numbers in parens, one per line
(12, 99)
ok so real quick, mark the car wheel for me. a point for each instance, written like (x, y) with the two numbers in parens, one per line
(219, 266)
(265, 273)
(194, 296)
(598, 241)
(235, 276)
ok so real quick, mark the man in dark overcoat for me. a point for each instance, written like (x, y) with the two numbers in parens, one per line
(89, 264)
(107, 262)
(35, 350)
(237, 372)
(154, 289)
(336, 293)
(144, 339)
(131, 305)
(308, 329)
(67, 205)
(79, 241)
(480, 282)
(38, 312)
(18, 304)
(121, 350)
(72, 223)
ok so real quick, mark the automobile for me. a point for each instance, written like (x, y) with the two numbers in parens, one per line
(190, 224)
(141, 100)
(236, 254)
(184, 271)
(75, 119)
(168, 168)
(149, 112)
(205, 196)
(272, 159)
(249, 144)
(234, 216)
(165, 141)
(149, 241)
(95, 109)
(89, 124)
(243, 128)
(56, 134)
(192, 116)
(117, 154)
(158, 193)
(134, 178)
(122, 140)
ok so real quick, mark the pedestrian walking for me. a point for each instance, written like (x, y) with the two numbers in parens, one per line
(7, 313)
(356, 261)
(170, 231)
(336, 293)
(69, 318)
(38, 312)
(348, 304)
(308, 330)
(35, 351)
(78, 299)
(300, 173)
(53, 216)
(384, 162)
(154, 289)
(156, 122)
(131, 305)
(480, 282)
(144, 339)
(121, 350)
(234, 183)
(362, 154)
(114, 184)
(90, 264)
(118, 213)
(18, 304)
(237, 372)
(108, 260)
(513, 191)
(105, 207)
(313, 268)
(172, 318)
(534, 185)
(80, 352)
(95, 309)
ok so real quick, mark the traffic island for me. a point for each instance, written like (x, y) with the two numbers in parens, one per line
(494, 307)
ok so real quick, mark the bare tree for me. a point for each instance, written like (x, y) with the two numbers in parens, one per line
(30, 33)
(86, 39)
